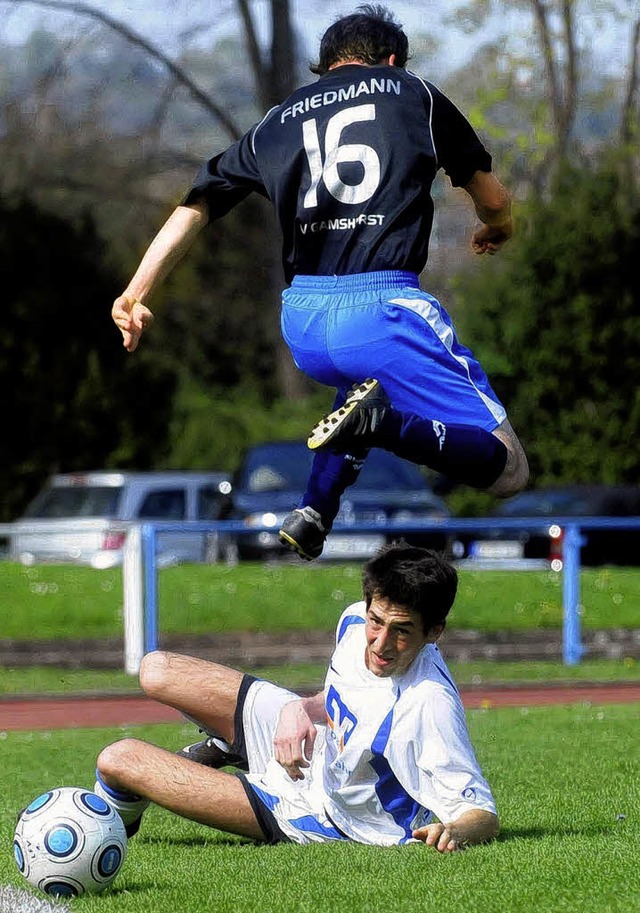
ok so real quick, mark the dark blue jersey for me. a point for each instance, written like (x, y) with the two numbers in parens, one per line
(348, 163)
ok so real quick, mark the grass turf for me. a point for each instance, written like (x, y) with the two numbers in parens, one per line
(565, 780)
(57, 601)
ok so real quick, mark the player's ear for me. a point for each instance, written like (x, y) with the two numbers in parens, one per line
(435, 633)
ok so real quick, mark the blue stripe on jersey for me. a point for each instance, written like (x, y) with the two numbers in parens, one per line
(393, 798)
(346, 621)
(311, 825)
(446, 677)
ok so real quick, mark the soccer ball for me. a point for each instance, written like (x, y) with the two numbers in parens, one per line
(69, 841)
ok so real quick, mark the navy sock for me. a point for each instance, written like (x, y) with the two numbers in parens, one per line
(463, 453)
(331, 473)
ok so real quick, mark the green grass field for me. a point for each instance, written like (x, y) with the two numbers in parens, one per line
(60, 601)
(565, 780)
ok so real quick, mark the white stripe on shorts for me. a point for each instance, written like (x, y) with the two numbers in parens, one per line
(431, 315)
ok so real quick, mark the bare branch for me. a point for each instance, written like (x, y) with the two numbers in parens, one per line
(181, 77)
(96, 190)
(541, 15)
(283, 53)
(260, 75)
(162, 108)
(629, 112)
(571, 74)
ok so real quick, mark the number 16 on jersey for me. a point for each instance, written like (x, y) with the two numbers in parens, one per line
(336, 154)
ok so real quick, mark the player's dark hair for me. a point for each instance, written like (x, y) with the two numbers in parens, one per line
(371, 35)
(418, 579)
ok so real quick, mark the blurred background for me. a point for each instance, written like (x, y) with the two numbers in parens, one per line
(108, 108)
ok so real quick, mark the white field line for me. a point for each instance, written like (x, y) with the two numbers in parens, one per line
(16, 900)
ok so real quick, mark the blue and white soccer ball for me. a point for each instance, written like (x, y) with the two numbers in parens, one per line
(69, 841)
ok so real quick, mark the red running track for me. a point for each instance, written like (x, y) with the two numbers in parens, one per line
(126, 710)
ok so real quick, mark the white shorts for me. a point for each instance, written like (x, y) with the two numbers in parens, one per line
(287, 810)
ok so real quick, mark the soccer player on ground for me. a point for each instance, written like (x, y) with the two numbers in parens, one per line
(380, 756)
(348, 163)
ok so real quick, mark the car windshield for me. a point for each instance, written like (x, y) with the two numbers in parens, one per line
(544, 504)
(86, 501)
(286, 467)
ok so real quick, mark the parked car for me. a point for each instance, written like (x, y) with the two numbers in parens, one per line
(273, 477)
(82, 518)
(544, 544)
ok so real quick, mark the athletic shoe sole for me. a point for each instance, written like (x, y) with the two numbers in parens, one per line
(211, 755)
(287, 540)
(327, 428)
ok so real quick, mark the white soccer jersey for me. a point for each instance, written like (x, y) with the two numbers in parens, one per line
(397, 750)
(395, 754)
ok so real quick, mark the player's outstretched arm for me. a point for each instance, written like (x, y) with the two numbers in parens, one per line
(174, 239)
(493, 207)
(474, 826)
(296, 734)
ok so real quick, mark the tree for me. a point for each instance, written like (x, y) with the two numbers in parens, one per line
(558, 62)
(556, 326)
(274, 78)
(73, 400)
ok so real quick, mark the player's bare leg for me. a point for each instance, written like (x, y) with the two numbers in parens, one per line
(516, 472)
(210, 797)
(207, 692)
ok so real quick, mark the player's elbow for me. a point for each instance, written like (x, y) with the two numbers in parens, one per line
(491, 198)
(477, 826)
(487, 828)
(496, 202)
(492, 827)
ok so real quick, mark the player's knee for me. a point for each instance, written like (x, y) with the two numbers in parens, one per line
(116, 758)
(154, 672)
(514, 478)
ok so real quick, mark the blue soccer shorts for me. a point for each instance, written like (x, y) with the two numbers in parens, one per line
(343, 329)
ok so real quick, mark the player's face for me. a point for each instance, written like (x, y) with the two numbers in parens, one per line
(394, 637)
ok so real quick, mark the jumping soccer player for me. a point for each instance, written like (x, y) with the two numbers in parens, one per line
(348, 163)
(380, 756)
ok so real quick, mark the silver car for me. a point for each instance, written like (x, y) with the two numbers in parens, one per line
(83, 517)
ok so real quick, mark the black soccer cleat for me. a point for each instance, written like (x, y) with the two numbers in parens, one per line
(358, 422)
(133, 827)
(208, 753)
(303, 532)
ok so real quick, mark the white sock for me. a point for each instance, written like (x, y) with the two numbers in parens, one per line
(128, 806)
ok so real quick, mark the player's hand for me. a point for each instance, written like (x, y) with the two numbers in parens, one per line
(439, 836)
(490, 238)
(132, 318)
(294, 739)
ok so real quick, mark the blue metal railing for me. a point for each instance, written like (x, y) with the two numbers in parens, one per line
(572, 648)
